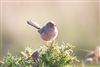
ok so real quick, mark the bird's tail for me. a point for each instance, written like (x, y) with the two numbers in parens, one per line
(33, 24)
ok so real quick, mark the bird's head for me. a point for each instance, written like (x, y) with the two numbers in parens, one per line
(51, 24)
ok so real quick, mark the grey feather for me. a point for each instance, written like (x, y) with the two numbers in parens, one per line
(33, 24)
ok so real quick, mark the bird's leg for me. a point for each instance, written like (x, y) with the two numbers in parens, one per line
(52, 43)
(47, 43)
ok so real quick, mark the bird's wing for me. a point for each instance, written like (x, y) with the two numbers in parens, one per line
(43, 29)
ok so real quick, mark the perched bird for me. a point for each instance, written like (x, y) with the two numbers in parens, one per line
(92, 55)
(35, 55)
(47, 32)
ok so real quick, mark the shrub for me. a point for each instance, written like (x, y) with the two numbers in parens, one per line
(51, 55)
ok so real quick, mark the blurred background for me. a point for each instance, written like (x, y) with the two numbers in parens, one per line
(77, 22)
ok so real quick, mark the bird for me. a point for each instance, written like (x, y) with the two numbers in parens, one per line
(92, 55)
(48, 32)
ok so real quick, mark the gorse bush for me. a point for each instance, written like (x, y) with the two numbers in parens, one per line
(52, 55)
(56, 55)
(21, 60)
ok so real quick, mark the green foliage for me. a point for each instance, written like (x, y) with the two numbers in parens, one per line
(22, 60)
(56, 55)
(51, 55)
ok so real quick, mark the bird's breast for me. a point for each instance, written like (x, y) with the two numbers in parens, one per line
(50, 34)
